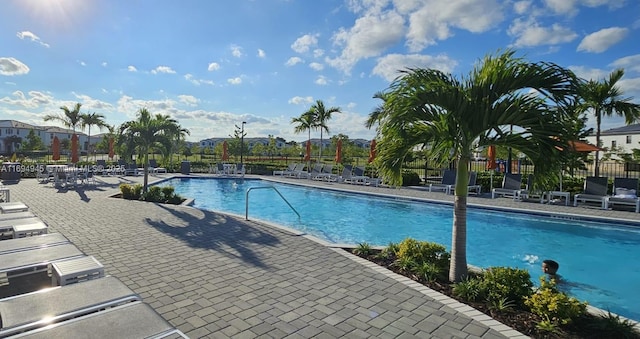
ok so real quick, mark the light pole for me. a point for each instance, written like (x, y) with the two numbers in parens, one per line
(242, 142)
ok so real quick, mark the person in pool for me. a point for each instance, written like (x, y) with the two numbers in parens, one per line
(550, 268)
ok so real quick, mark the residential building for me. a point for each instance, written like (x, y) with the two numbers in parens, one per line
(621, 139)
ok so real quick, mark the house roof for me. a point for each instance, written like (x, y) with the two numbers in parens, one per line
(17, 124)
(629, 129)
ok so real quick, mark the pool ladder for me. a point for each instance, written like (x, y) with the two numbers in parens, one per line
(246, 209)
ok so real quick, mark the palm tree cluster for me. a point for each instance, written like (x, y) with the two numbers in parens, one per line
(504, 101)
(316, 118)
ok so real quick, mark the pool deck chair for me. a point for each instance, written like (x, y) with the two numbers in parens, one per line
(325, 174)
(132, 320)
(472, 186)
(16, 215)
(289, 169)
(38, 309)
(20, 263)
(625, 192)
(357, 177)
(153, 167)
(24, 244)
(511, 186)
(529, 192)
(595, 190)
(13, 207)
(23, 227)
(316, 170)
(448, 181)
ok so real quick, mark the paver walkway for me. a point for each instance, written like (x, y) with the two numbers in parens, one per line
(215, 276)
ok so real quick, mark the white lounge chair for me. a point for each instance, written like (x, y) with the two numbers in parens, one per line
(448, 181)
(12, 207)
(290, 169)
(595, 190)
(23, 244)
(325, 174)
(511, 186)
(358, 176)
(38, 309)
(625, 193)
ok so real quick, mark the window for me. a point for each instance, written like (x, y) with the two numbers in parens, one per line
(613, 144)
(628, 139)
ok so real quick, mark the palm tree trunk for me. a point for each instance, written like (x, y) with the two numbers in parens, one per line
(320, 157)
(146, 170)
(88, 142)
(458, 265)
(596, 170)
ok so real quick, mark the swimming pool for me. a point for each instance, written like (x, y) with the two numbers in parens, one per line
(599, 260)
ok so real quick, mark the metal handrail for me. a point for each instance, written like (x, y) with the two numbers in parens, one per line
(246, 213)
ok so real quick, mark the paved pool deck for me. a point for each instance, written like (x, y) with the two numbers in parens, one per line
(214, 275)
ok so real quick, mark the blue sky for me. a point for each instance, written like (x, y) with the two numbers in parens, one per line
(213, 64)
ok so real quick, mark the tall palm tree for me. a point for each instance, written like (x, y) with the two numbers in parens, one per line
(70, 117)
(304, 122)
(321, 116)
(92, 119)
(149, 131)
(605, 99)
(429, 107)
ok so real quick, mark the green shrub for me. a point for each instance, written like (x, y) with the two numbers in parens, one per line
(512, 284)
(389, 252)
(469, 289)
(424, 252)
(131, 192)
(363, 249)
(410, 178)
(554, 305)
(153, 194)
(614, 326)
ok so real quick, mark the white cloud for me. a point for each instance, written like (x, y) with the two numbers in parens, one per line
(235, 81)
(318, 52)
(370, 36)
(297, 100)
(568, 7)
(601, 40)
(389, 65)
(316, 66)
(104, 64)
(261, 53)
(189, 77)
(188, 100)
(236, 51)
(293, 61)
(304, 43)
(35, 99)
(589, 73)
(434, 19)
(82, 63)
(521, 7)
(529, 34)
(214, 66)
(163, 69)
(629, 63)
(132, 69)
(28, 35)
(321, 80)
(12, 66)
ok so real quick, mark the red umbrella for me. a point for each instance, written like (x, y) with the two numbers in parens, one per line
(55, 148)
(111, 148)
(491, 157)
(74, 149)
(307, 155)
(583, 146)
(339, 151)
(225, 151)
(372, 151)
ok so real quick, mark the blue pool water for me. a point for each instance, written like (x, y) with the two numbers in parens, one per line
(599, 261)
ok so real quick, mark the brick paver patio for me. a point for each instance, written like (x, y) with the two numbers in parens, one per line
(217, 276)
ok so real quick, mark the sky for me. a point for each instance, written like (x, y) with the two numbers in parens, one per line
(214, 64)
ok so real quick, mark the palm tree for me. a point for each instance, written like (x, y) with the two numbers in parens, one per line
(305, 122)
(321, 116)
(70, 118)
(149, 131)
(605, 99)
(426, 107)
(92, 119)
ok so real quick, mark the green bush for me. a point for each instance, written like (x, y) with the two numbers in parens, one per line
(410, 178)
(153, 194)
(469, 289)
(131, 192)
(424, 252)
(554, 305)
(512, 284)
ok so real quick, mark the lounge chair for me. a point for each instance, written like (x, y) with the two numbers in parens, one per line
(511, 186)
(472, 185)
(345, 176)
(290, 168)
(448, 181)
(43, 175)
(38, 309)
(595, 190)
(529, 192)
(21, 263)
(19, 228)
(357, 176)
(16, 215)
(325, 174)
(13, 207)
(153, 167)
(625, 192)
(131, 169)
(24, 244)
(131, 320)
(299, 172)
(317, 169)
